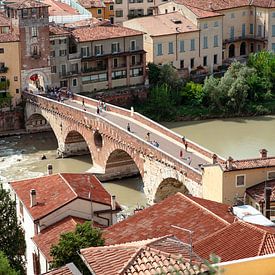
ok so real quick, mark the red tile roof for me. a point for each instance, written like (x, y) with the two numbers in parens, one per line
(8, 37)
(200, 13)
(50, 236)
(4, 20)
(54, 191)
(155, 256)
(250, 163)
(177, 210)
(236, 241)
(103, 32)
(257, 192)
(26, 4)
(57, 8)
(58, 30)
(68, 269)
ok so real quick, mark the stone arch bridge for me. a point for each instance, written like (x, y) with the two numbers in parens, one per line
(116, 152)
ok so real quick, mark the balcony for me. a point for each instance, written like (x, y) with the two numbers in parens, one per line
(3, 69)
(244, 37)
(94, 69)
(136, 64)
(68, 74)
(36, 55)
(118, 66)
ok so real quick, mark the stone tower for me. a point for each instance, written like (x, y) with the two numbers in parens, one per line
(31, 19)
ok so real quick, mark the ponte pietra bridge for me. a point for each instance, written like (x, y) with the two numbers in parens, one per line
(115, 152)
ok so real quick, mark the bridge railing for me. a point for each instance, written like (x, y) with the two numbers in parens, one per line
(81, 116)
(152, 124)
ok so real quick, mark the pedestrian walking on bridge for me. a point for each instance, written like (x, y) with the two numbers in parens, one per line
(128, 127)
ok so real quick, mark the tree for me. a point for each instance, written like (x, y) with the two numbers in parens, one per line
(193, 93)
(12, 241)
(70, 243)
(5, 267)
(153, 73)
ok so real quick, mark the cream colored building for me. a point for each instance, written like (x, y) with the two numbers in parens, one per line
(246, 26)
(227, 182)
(180, 42)
(9, 62)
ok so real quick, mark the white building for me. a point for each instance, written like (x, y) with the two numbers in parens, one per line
(50, 205)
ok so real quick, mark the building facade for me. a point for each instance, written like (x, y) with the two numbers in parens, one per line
(97, 57)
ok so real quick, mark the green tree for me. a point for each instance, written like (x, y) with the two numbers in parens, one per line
(12, 241)
(70, 243)
(193, 94)
(153, 74)
(5, 268)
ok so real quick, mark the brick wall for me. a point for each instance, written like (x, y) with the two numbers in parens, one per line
(11, 120)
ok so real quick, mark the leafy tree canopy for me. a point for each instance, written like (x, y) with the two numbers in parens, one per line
(70, 243)
(5, 267)
(12, 241)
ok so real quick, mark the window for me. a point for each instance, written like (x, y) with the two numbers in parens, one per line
(232, 32)
(159, 49)
(182, 46)
(99, 11)
(133, 45)
(62, 52)
(216, 24)
(52, 53)
(85, 51)
(259, 13)
(63, 69)
(119, 13)
(205, 26)
(34, 12)
(181, 64)
(271, 175)
(74, 82)
(192, 44)
(273, 14)
(215, 59)
(52, 42)
(259, 48)
(99, 49)
(251, 28)
(232, 15)
(244, 13)
(53, 69)
(34, 31)
(252, 47)
(62, 41)
(63, 83)
(74, 68)
(192, 63)
(15, 78)
(259, 30)
(34, 50)
(240, 180)
(115, 63)
(118, 1)
(114, 48)
(205, 61)
(2, 50)
(133, 57)
(150, 11)
(136, 72)
(25, 13)
(273, 47)
(119, 74)
(205, 42)
(243, 30)
(273, 30)
(111, 7)
(94, 78)
(216, 41)
(170, 48)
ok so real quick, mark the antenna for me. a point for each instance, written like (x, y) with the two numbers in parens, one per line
(190, 245)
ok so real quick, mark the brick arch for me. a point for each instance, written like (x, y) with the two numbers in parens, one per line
(168, 187)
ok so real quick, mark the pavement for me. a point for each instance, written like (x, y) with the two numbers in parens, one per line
(172, 147)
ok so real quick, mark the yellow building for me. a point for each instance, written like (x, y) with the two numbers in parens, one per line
(100, 9)
(9, 63)
(178, 41)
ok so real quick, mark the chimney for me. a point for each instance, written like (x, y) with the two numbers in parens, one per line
(33, 197)
(50, 169)
(215, 158)
(263, 153)
(113, 202)
(229, 163)
(268, 191)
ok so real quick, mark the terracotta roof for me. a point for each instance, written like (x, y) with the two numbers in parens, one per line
(250, 163)
(92, 3)
(103, 32)
(50, 236)
(257, 192)
(168, 24)
(26, 4)
(68, 269)
(58, 8)
(87, 23)
(54, 191)
(155, 256)
(8, 37)
(4, 20)
(237, 241)
(203, 13)
(57, 30)
(157, 220)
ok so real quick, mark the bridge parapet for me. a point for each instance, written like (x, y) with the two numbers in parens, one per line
(152, 124)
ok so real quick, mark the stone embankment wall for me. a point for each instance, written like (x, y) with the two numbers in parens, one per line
(12, 120)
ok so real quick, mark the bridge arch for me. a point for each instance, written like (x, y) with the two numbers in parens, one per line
(168, 187)
(120, 164)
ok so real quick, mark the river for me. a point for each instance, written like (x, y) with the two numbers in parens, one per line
(239, 138)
